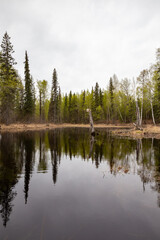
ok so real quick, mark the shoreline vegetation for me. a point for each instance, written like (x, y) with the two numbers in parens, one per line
(122, 130)
(26, 105)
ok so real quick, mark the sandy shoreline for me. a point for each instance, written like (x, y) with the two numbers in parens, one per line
(34, 127)
(127, 130)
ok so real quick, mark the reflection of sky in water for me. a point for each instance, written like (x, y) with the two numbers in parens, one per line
(73, 199)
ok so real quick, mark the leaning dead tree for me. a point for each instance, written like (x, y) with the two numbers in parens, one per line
(91, 122)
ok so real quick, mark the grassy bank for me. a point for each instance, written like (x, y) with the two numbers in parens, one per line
(26, 127)
(118, 130)
(149, 131)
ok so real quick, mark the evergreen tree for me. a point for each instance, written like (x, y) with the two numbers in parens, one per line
(92, 104)
(70, 107)
(59, 113)
(111, 89)
(96, 95)
(82, 107)
(65, 109)
(100, 98)
(53, 106)
(29, 99)
(42, 87)
(8, 80)
(74, 109)
(19, 100)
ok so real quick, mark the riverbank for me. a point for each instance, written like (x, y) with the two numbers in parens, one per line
(148, 131)
(41, 126)
(127, 130)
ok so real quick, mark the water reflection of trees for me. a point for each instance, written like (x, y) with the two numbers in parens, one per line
(10, 167)
(29, 159)
(20, 151)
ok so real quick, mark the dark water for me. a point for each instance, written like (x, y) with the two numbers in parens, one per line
(62, 185)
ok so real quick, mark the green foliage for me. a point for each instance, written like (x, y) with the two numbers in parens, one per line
(111, 89)
(42, 87)
(9, 81)
(53, 106)
(115, 103)
(29, 96)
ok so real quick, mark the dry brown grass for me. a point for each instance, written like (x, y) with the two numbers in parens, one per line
(33, 126)
(148, 131)
(117, 129)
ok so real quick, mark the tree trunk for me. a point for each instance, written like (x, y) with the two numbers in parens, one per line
(138, 118)
(91, 122)
(141, 112)
(152, 113)
(40, 106)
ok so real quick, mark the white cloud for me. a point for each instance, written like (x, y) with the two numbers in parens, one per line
(86, 41)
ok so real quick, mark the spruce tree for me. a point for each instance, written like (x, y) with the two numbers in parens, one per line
(59, 117)
(65, 109)
(29, 99)
(96, 95)
(53, 106)
(111, 89)
(83, 111)
(100, 98)
(8, 80)
(70, 106)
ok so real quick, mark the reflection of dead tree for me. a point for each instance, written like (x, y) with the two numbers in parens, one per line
(91, 146)
(144, 172)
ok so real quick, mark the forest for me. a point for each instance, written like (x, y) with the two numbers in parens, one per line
(120, 101)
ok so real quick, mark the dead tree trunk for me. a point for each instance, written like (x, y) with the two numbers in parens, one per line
(152, 112)
(91, 122)
(138, 117)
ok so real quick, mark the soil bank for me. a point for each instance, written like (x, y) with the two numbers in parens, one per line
(127, 130)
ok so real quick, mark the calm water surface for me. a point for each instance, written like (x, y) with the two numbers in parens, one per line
(63, 185)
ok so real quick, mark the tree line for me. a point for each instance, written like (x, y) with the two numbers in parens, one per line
(126, 101)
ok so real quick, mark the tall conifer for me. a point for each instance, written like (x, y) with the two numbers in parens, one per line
(8, 80)
(111, 88)
(29, 99)
(53, 106)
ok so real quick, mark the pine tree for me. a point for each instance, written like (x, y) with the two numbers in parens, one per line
(75, 115)
(65, 109)
(59, 106)
(29, 99)
(92, 104)
(100, 98)
(53, 106)
(19, 107)
(96, 95)
(83, 109)
(70, 107)
(111, 89)
(8, 80)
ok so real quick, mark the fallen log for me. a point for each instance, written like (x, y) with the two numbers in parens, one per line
(138, 127)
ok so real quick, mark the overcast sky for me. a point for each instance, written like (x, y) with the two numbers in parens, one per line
(87, 41)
